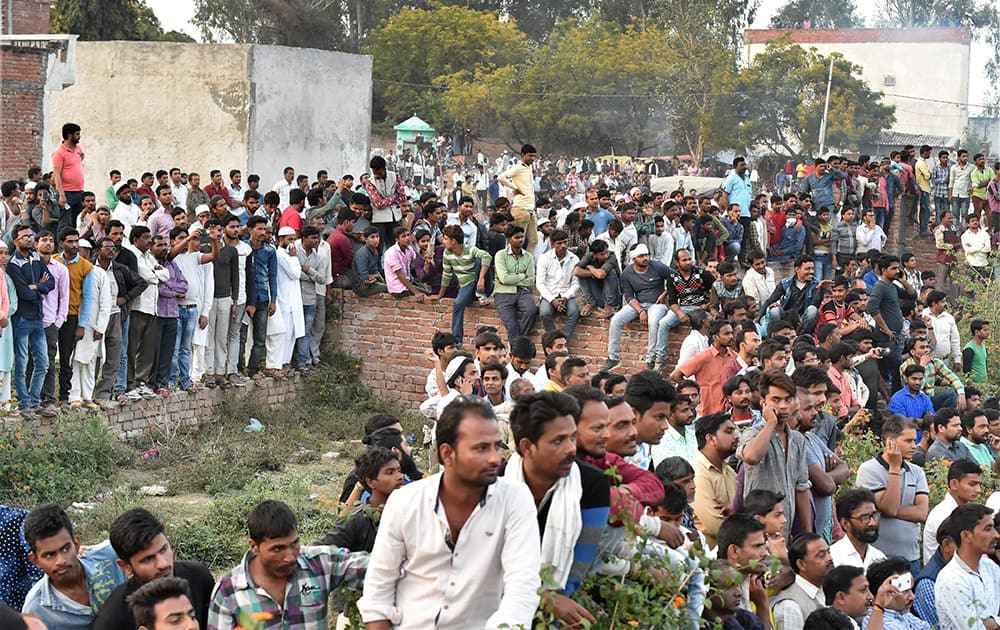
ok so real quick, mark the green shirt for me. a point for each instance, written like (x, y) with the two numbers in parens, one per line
(514, 271)
(979, 177)
(978, 367)
(982, 453)
(463, 267)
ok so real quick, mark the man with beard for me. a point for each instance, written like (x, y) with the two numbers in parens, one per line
(774, 455)
(826, 470)
(280, 578)
(714, 480)
(688, 288)
(859, 519)
(708, 367)
(809, 556)
(144, 553)
(965, 480)
(464, 511)
(679, 439)
(572, 498)
(978, 439)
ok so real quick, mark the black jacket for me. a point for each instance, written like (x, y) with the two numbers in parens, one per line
(130, 284)
(115, 615)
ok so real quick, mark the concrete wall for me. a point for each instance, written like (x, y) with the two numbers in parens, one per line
(922, 69)
(150, 105)
(312, 111)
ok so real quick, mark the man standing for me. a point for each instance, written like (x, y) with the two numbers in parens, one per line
(709, 367)
(572, 497)
(226, 288)
(312, 283)
(196, 304)
(67, 175)
(521, 182)
(80, 306)
(262, 288)
(714, 480)
(283, 186)
(237, 335)
(387, 195)
(32, 282)
(980, 178)
(557, 285)
(900, 489)
(515, 278)
(820, 184)
(142, 339)
(177, 189)
(169, 293)
(859, 519)
(195, 196)
(947, 341)
(736, 190)
(774, 455)
(491, 523)
(55, 308)
(960, 187)
(884, 307)
(125, 286)
(922, 171)
(974, 352)
(940, 175)
(644, 294)
(967, 589)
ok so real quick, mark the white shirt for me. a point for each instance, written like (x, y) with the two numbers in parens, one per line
(243, 250)
(788, 615)
(555, 277)
(236, 194)
(489, 578)
(180, 194)
(694, 343)
(153, 273)
(201, 281)
(674, 444)
(283, 187)
(844, 553)
(961, 593)
(977, 247)
(936, 516)
(946, 337)
(759, 286)
(128, 214)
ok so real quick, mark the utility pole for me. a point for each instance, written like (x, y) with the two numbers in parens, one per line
(826, 110)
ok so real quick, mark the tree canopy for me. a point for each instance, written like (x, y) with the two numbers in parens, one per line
(799, 13)
(97, 20)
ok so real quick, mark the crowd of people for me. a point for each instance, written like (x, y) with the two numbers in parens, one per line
(803, 330)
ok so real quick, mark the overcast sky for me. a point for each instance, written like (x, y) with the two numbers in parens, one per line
(176, 15)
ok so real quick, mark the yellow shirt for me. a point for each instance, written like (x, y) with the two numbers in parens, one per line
(553, 386)
(923, 172)
(519, 176)
(713, 487)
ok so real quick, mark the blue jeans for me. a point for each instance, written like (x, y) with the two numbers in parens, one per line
(944, 397)
(960, 208)
(180, 365)
(879, 217)
(303, 343)
(654, 313)
(121, 384)
(602, 293)
(669, 321)
(465, 297)
(824, 263)
(29, 335)
(548, 314)
(925, 211)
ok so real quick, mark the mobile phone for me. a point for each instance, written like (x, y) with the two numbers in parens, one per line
(903, 582)
(205, 243)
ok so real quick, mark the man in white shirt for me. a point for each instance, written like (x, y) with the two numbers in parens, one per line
(965, 479)
(142, 337)
(960, 187)
(976, 244)
(178, 189)
(947, 342)
(196, 305)
(758, 281)
(284, 185)
(558, 285)
(466, 512)
(967, 590)
(236, 188)
(859, 519)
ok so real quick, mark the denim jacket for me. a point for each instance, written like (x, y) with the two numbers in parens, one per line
(262, 274)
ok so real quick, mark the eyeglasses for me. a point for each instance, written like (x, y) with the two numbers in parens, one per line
(865, 519)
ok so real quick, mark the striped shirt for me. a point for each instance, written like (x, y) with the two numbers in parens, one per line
(463, 266)
(936, 371)
(320, 570)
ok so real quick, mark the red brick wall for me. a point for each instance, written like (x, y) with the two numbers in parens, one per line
(31, 17)
(391, 337)
(22, 89)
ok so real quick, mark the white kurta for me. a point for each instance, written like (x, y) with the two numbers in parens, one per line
(290, 301)
(88, 348)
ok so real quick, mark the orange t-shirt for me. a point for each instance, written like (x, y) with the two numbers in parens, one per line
(69, 163)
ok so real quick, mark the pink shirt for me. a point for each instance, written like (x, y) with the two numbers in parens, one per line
(394, 260)
(69, 163)
(843, 383)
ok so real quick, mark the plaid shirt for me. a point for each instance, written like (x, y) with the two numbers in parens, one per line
(939, 180)
(936, 371)
(320, 570)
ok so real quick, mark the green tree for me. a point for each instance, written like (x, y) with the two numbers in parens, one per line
(796, 13)
(300, 23)
(779, 102)
(418, 53)
(104, 20)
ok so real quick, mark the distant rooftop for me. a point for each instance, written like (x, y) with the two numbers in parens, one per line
(860, 35)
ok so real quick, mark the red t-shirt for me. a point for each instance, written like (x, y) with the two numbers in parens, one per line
(69, 163)
(291, 218)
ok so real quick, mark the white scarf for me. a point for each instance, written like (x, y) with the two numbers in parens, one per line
(564, 522)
